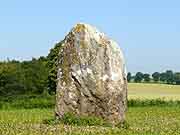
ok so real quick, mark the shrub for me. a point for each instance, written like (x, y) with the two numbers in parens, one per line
(152, 102)
(71, 119)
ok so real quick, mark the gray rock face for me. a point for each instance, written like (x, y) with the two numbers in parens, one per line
(91, 76)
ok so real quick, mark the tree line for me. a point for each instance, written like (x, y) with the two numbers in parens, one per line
(23, 77)
(39, 75)
(167, 77)
(35, 76)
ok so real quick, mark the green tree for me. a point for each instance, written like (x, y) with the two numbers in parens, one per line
(156, 76)
(9, 83)
(177, 78)
(52, 67)
(39, 74)
(23, 77)
(169, 77)
(129, 77)
(163, 77)
(146, 77)
(138, 77)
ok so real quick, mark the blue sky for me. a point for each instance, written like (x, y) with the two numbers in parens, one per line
(147, 31)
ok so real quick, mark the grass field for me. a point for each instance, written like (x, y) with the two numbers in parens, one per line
(142, 120)
(153, 91)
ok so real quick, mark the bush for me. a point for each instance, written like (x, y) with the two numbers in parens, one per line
(152, 102)
(71, 119)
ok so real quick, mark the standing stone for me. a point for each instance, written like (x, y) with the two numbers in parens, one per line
(91, 76)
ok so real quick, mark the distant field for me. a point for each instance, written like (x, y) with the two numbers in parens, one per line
(152, 91)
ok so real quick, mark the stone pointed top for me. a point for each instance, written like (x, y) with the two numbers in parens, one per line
(88, 29)
(94, 33)
(85, 26)
(89, 32)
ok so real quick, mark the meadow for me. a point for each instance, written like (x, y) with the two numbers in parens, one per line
(153, 91)
(152, 112)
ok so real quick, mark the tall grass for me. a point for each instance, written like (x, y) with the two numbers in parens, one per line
(27, 102)
(152, 102)
(47, 101)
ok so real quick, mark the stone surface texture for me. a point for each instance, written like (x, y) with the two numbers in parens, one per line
(91, 76)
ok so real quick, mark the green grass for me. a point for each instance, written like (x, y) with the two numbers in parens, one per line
(154, 109)
(72, 119)
(27, 102)
(142, 120)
